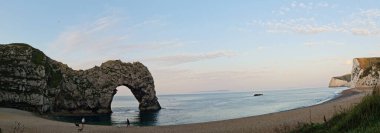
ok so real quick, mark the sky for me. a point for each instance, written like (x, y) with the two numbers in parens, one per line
(203, 45)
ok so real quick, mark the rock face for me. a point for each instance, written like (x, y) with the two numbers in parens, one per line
(340, 81)
(365, 73)
(32, 81)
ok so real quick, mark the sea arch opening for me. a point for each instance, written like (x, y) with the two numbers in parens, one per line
(124, 106)
(125, 99)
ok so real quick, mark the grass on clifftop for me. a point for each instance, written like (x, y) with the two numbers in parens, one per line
(363, 118)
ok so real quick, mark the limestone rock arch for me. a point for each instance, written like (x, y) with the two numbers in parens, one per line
(136, 77)
(32, 81)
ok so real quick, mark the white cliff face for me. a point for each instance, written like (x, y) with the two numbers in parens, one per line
(341, 81)
(356, 71)
(365, 74)
(31, 81)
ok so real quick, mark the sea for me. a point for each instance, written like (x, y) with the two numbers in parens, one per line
(207, 106)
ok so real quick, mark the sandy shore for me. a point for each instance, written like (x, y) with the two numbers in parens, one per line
(262, 123)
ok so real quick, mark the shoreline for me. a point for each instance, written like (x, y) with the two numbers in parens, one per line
(260, 123)
(50, 116)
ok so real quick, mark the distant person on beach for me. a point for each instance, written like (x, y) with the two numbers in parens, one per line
(128, 122)
(83, 121)
(77, 124)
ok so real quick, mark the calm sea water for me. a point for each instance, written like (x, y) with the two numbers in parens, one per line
(211, 106)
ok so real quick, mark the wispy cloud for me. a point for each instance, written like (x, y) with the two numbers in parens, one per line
(310, 5)
(156, 45)
(299, 25)
(88, 36)
(362, 31)
(323, 43)
(362, 23)
(108, 32)
(301, 6)
(106, 37)
(186, 58)
(365, 22)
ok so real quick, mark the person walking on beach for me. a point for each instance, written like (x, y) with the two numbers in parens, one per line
(77, 124)
(128, 122)
(83, 121)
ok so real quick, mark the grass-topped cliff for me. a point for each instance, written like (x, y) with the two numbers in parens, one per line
(363, 118)
(364, 74)
(32, 81)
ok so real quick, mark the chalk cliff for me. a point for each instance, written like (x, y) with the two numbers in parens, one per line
(32, 81)
(365, 73)
(340, 81)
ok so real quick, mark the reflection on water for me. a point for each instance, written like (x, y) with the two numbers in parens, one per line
(147, 119)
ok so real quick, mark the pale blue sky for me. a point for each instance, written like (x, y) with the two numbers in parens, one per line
(203, 45)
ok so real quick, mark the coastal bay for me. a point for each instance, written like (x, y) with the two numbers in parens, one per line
(262, 123)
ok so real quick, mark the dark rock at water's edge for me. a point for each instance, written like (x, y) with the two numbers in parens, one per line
(30, 80)
(257, 94)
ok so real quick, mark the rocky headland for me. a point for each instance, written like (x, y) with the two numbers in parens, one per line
(365, 74)
(31, 81)
(340, 81)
